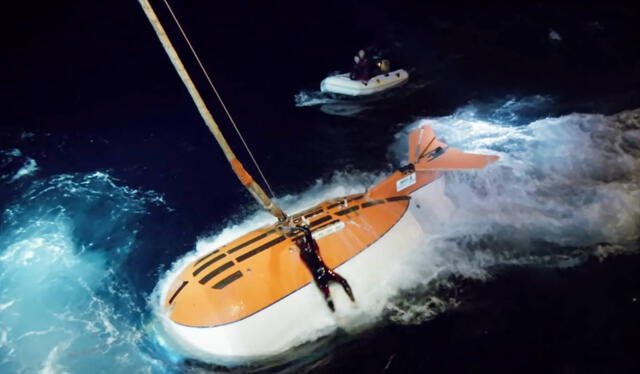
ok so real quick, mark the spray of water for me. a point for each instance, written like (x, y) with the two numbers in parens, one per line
(563, 186)
(565, 189)
(64, 305)
(14, 165)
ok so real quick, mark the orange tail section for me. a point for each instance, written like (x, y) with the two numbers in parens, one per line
(427, 157)
(422, 141)
(427, 152)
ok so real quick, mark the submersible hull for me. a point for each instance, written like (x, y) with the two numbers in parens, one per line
(302, 314)
(254, 298)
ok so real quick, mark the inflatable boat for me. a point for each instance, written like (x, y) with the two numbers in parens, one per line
(342, 84)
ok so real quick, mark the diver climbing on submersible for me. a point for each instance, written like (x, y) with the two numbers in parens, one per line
(322, 274)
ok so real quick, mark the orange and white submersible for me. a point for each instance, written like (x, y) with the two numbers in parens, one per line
(254, 298)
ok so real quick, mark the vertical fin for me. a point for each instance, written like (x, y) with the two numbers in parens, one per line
(422, 141)
(426, 152)
(427, 157)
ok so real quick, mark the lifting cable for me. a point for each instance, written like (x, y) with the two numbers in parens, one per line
(204, 71)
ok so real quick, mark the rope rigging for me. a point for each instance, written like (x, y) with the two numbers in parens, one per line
(213, 87)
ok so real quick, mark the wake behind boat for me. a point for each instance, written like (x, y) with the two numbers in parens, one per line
(254, 298)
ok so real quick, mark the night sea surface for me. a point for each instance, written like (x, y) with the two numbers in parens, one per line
(108, 177)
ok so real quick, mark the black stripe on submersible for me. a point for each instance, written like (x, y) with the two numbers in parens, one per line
(259, 249)
(398, 198)
(342, 201)
(226, 281)
(207, 256)
(215, 272)
(372, 203)
(250, 241)
(328, 224)
(208, 263)
(178, 291)
(319, 221)
(348, 210)
(313, 213)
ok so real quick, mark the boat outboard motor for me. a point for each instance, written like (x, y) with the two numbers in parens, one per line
(384, 65)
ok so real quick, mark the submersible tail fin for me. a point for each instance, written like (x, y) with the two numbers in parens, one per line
(427, 157)
(423, 141)
(426, 152)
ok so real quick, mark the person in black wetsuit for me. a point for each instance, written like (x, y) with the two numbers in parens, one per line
(322, 275)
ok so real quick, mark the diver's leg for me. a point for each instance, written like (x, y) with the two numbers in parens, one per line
(338, 278)
(324, 287)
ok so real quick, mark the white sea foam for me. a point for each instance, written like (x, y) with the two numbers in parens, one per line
(311, 98)
(562, 185)
(29, 168)
(15, 165)
(64, 309)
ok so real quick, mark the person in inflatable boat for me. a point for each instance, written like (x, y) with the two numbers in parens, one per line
(361, 69)
(322, 274)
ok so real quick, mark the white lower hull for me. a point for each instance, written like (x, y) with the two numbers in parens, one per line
(303, 315)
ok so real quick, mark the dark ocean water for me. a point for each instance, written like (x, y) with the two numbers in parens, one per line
(108, 176)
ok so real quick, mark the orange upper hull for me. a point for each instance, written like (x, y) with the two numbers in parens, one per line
(262, 267)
